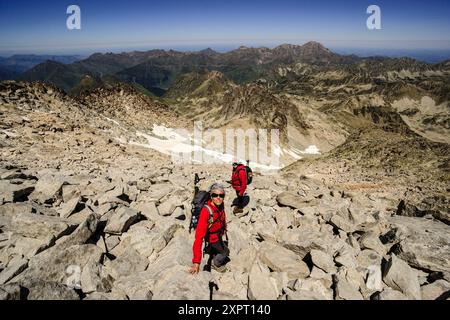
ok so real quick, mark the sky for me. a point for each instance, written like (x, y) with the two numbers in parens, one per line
(40, 26)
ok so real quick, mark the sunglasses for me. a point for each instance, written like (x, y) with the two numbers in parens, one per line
(215, 195)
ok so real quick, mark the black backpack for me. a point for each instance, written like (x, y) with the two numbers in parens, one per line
(249, 174)
(200, 200)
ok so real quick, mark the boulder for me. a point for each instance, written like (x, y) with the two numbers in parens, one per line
(391, 294)
(13, 269)
(316, 286)
(15, 192)
(49, 290)
(92, 278)
(345, 290)
(423, 243)
(295, 201)
(136, 286)
(177, 284)
(48, 189)
(280, 259)
(302, 241)
(303, 295)
(69, 207)
(368, 258)
(231, 284)
(370, 240)
(10, 292)
(319, 274)
(323, 261)
(121, 220)
(129, 263)
(400, 276)
(81, 234)
(39, 226)
(342, 223)
(59, 265)
(147, 209)
(167, 207)
(438, 290)
(260, 285)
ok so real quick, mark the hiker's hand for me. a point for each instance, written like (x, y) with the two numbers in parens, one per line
(195, 268)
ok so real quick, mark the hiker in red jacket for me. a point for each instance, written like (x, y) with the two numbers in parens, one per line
(212, 229)
(239, 183)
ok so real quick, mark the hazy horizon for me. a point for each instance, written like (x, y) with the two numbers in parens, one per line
(427, 55)
(30, 27)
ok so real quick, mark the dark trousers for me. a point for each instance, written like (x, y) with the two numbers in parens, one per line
(218, 253)
(240, 200)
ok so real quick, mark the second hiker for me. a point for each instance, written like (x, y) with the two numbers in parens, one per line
(239, 183)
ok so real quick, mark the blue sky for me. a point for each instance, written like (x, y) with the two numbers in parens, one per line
(40, 26)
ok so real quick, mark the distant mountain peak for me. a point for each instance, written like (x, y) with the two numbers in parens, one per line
(208, 51)
(314, 45)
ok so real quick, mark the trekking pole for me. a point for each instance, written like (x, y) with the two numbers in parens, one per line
(197, 179)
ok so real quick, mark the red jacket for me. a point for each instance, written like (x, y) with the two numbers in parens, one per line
(239, 179)
(202, 230)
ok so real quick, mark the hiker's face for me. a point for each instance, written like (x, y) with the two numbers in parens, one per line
(217, 197)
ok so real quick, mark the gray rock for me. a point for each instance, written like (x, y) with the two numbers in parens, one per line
(280, 259)
(92, 279)
(111, 242)
(38, 226)
(48, 189)
(14, 192)
(147, 209)
(294, 201)
(440, 289)
(423, 243)
(177, 284)
(342, 223)
(368, 258)
(81, 234)
(400, 276)
(260, 285)
(316, 286)
(129, 263)
(346, 290)
(69, 207)
(12, 270)
(370, 240)
(319, 274)
(69, 192)
(302, 242)
(391, 294)
(137, 286)
(304, 295)
(122, 219)
(59, 266)
(48, 290)
(232, 285)
(168, 207)
(323, 261)
(9, 292)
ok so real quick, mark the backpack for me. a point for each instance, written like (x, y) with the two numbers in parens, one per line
(200, 200)
(249, 174)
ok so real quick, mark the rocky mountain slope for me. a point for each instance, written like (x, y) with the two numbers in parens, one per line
(86, 215)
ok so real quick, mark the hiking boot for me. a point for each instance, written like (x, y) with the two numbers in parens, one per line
(220, 269)
(237, 210)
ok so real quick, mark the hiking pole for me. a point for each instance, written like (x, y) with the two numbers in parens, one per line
(197, 179)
